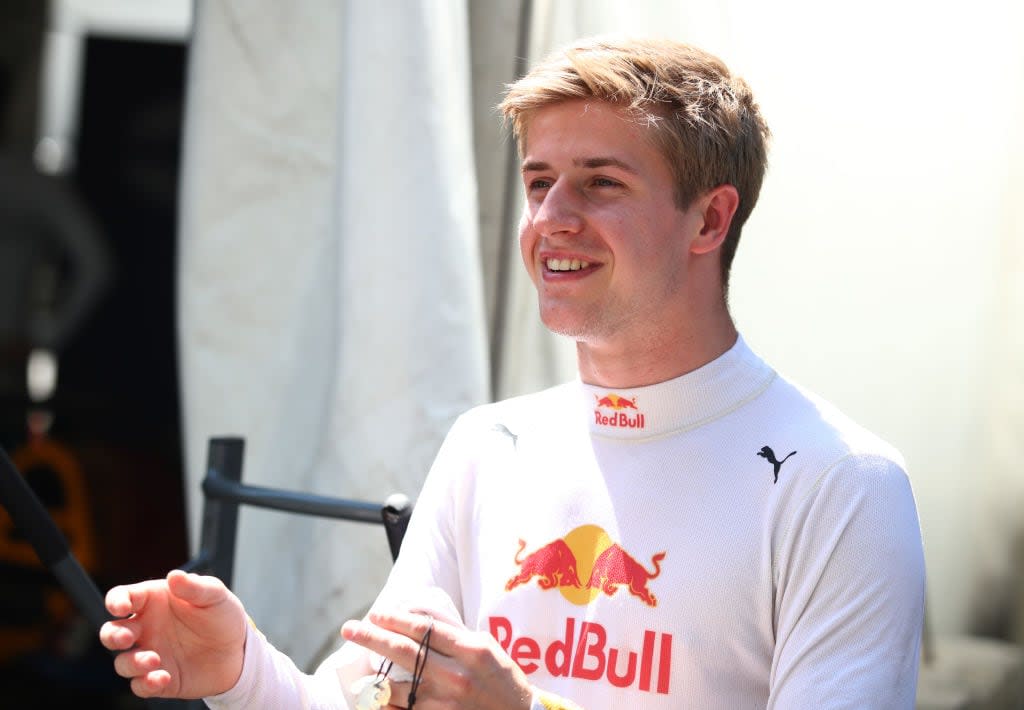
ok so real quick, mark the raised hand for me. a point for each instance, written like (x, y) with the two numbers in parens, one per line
(179, 637)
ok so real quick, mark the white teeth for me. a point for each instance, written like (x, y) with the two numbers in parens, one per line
(566, 264)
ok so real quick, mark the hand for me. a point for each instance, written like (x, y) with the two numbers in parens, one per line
(463, 669)
(183, 636)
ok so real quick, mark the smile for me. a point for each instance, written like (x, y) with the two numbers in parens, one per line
(566, 264)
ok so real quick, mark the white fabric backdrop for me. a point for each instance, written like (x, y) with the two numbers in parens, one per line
(331, 307)
(342, 160)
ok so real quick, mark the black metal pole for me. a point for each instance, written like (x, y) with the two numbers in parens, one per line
(31, 518)
(220, 515)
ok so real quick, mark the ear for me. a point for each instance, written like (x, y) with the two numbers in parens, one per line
(718, 206)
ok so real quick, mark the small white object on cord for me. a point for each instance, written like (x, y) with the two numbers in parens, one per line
(372, 692)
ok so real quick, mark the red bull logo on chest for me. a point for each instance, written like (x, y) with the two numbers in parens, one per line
(584, 564)
(615, 410)
(583, 651)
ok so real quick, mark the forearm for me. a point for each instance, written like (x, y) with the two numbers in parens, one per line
(271, 680)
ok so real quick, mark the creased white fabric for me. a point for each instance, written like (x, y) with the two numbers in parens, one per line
(330, 297)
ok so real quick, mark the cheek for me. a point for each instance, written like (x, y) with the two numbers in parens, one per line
(527, 241)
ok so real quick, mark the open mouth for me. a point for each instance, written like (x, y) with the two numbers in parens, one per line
(566, 264)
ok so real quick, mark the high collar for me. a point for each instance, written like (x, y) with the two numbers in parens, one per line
(682, 403)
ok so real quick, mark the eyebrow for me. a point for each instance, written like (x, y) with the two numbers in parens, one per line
(597, 162)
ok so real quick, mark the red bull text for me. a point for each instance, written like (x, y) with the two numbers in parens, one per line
(583, 652)
(588, 553)
(618, 417)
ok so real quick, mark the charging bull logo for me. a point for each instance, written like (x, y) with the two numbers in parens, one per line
(616, 402)
(554, 563)
(586, 553)
(618, 416)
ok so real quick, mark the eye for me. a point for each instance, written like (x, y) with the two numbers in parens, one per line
(538, 184)
(605, 182)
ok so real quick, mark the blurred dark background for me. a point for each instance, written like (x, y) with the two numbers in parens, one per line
(106, 453)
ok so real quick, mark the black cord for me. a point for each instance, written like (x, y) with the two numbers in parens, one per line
(382, 671)
(421, 661)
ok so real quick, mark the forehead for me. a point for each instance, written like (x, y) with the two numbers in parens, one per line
(583, 128)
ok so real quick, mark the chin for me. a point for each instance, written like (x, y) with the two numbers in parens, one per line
(561, 326)
(571, 327)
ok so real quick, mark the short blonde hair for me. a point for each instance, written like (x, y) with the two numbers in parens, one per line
(703, 119)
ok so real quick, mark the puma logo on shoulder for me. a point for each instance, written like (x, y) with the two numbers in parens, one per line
(507, 432)
(767, 453)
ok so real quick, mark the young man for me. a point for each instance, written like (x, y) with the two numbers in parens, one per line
(681, 527)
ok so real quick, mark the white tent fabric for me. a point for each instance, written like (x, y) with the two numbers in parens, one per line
(331, 306)
(524, 356)
(342, 160)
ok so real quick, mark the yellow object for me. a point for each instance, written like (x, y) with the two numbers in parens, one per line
(552, 702)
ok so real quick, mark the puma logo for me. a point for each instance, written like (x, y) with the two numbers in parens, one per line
(505, 430)
(767, 453)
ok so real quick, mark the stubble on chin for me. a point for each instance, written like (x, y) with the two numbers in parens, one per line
(576, 326)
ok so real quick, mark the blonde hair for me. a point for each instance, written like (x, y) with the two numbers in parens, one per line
(703, 119)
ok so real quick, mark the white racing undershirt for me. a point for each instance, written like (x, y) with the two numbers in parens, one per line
(720, 540)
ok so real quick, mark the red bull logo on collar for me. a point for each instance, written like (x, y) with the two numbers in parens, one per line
(618, 416)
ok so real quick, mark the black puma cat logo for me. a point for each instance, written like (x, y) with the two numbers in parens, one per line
(767, 453)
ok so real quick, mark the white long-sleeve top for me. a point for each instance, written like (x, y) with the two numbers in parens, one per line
(720, 540)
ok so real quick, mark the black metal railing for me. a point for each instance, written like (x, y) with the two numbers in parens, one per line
(223, 493)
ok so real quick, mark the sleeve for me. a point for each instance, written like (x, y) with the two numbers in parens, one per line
(425, 575)
(270, 680)
(428, 563)
(850, 593)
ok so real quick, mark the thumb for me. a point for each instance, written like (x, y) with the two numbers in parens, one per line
(198, 590)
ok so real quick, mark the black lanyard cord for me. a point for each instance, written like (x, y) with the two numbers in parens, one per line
(421, 661)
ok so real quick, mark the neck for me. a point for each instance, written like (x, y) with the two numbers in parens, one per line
(621, 364)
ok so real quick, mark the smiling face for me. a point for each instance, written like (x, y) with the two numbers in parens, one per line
(601, 236)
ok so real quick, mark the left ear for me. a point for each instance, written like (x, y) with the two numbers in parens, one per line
(718, 206)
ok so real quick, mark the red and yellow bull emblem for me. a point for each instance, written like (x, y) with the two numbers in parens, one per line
(618, 416)
(586, 553)
(585, 650)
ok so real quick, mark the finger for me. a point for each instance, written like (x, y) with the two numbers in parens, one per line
(151, 684)
(118, 635)
(444, 637)
(399, 648)
(132, 664)
(198, 590)
(408, 624)
(129, 599)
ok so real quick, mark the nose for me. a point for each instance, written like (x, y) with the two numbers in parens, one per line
(558, 212)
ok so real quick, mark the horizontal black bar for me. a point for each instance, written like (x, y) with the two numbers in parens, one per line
(199, 563)
(217, 487)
